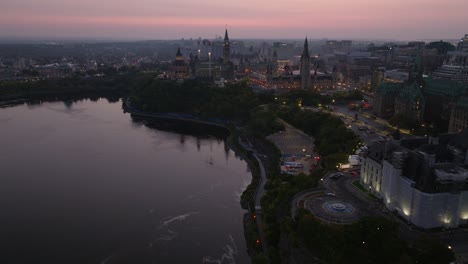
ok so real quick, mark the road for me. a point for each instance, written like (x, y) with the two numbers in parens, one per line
(366, 126)
(344, 188)
(258, 206)
(258, 193)
(371, 129)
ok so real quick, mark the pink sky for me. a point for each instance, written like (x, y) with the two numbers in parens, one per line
(173, 19)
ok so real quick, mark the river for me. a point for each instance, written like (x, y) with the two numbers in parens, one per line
(82, 182)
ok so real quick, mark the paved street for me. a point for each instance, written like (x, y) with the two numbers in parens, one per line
(369, 128)
(258, 193)
(367, 120)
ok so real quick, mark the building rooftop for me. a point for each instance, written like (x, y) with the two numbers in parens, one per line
(396, 76)
(443, 87)
(434, 164)
(451, 173)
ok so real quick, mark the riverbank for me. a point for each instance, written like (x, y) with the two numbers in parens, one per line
(13, 90)
(164, 192)
(251, 196)
(23, 96)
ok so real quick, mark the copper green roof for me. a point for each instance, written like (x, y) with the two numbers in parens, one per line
(463, 102)
(441, 87)
(411, 92)
(390, 88)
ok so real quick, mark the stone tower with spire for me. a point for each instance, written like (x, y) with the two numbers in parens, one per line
(305, 66)
(179, 68)
(226, 49)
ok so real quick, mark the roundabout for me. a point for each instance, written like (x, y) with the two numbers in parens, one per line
(329, 209)
(337, 207)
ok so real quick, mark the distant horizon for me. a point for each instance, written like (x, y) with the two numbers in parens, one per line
(399, 20)
(60, 40)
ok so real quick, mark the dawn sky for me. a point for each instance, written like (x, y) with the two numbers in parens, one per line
(173, 19)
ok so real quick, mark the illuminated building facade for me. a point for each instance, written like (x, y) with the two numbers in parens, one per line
(459, 116)
(205, 65)
(424, 180)
(179, 68)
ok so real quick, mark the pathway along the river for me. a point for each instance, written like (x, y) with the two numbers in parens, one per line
(216, 122)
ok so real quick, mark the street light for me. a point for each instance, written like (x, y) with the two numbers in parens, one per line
(209, 63)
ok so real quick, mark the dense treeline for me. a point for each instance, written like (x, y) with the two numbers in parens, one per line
(233, 102)
(441, 46)
(334, 142)
(276, 207)
(118, 82)
(264, 122)
(371, 240)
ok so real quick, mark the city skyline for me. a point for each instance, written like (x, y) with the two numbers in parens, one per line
(144, 19)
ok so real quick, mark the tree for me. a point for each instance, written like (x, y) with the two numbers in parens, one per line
(442, 47)
(431, 251)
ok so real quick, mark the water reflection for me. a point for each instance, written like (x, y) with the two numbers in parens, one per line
(83, 182)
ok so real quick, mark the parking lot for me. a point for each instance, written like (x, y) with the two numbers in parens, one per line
(296, 147)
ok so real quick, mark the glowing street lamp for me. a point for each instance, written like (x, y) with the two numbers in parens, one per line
(209, 63)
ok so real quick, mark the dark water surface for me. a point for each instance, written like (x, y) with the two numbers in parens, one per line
(84, 183)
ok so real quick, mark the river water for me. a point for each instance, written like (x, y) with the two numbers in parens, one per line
(81, 182)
